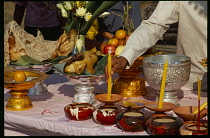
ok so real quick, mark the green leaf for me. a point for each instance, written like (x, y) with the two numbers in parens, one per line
(69, 27)
(103, 7)
(89, 5)
(99, 68)
(27, 61)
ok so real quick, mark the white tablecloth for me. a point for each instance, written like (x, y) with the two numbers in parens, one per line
(47, 116)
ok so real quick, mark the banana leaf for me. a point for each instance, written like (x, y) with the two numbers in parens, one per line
(99, 68)
(27, 61)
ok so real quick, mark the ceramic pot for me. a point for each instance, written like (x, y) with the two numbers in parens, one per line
(79, 111)
(131, 121)
(105, 115)
(185, 112)
(192, 129)
(164, 125)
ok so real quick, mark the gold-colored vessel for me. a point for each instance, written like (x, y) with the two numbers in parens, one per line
(19, 100)
(128, 84)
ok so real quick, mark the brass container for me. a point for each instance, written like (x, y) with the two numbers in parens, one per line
(19, 100)
(128, 84)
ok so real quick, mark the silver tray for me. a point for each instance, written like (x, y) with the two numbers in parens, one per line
(42, 68)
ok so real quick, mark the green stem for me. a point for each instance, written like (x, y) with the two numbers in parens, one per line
(103, 7)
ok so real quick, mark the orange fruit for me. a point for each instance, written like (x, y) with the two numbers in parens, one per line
(120, 34)
(121, 42)
(113, 41)
(19, 76)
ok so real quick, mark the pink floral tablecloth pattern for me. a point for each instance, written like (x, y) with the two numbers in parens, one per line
(47, 116)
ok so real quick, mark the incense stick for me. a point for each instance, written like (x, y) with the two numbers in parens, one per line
(199, 94)
(190, 109)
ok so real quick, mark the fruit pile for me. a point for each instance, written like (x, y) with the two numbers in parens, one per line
(115, 45)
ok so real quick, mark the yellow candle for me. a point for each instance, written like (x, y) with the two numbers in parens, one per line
(162, 88)
(201, 108)
(109, 89)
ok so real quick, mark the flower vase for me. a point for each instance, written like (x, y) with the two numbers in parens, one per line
(80, 44)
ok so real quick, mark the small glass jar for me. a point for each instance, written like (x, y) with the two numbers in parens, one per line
(79, 111)
(164, 125)
(131, 121)
(105, 115)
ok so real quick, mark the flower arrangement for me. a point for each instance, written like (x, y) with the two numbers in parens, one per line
(81, 16)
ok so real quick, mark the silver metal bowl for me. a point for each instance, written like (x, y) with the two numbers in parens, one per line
(178, 74)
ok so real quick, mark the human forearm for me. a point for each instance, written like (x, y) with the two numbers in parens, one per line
(150, 31)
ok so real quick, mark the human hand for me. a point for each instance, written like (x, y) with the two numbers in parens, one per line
(117, 64)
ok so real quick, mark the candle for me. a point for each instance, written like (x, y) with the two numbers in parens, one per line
(109, 89)
(201, 108)
(162, 88)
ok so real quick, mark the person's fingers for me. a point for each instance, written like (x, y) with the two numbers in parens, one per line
(117, 64)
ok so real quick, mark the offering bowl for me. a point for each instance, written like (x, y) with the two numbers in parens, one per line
(185, 112)
(39, 88)
(164, 125)
(133, 104)
(19, 100)
(193, 129)
(109, 103)
(178, 74)
(129, 84)
(79, 111)
(131, 121)
(159, 112)
(105, 115)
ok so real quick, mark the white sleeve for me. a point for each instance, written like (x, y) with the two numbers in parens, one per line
(151, 30)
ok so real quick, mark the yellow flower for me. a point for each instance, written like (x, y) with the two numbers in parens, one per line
(80, 12)
(93, 31)
(80, 4)
(87, 16)
(63, 11)
(67, 5)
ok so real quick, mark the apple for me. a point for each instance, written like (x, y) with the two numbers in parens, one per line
(108, 48)
(121, 42)
(102, 46)
(119, 49)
